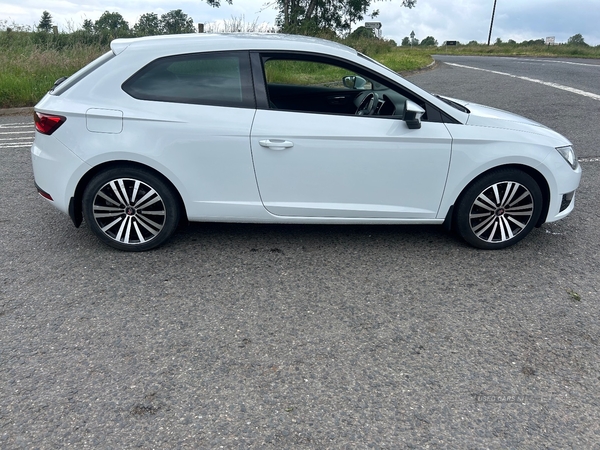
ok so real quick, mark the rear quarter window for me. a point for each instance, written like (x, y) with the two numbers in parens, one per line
(221, 79)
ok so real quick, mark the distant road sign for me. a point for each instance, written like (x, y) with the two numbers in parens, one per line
(450, 42)
(375, 25)
(550, 40)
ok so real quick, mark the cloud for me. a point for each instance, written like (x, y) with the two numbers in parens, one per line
(466, 20)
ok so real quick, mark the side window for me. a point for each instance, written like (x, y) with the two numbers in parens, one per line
(221, 79)
(325, 86)
(308, 73)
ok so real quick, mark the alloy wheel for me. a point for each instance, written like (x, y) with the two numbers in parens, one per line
(129, 211)
(501, 212)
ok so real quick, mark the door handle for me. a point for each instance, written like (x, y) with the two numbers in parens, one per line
(276, 144)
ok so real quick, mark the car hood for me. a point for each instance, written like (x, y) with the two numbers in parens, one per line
(485, 116)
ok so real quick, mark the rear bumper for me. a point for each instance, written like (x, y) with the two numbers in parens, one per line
(56, 170)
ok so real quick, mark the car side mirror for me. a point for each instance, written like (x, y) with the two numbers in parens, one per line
(413, 114)
(354, 82)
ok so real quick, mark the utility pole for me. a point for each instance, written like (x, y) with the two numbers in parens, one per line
(492, 22)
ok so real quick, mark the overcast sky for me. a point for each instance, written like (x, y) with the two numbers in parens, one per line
(462, 20)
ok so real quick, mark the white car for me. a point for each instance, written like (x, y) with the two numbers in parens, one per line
(285, 129)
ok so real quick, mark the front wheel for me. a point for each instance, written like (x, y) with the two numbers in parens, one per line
(499, 209)
(130, 209)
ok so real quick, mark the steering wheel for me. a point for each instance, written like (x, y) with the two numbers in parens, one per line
(368, 105)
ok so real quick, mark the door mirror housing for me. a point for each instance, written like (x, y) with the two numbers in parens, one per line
(412, 115)
(354, 82)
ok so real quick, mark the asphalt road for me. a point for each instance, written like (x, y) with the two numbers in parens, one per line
(239, 336)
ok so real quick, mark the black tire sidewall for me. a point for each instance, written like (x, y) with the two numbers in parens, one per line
(469, 195)
(166, 193)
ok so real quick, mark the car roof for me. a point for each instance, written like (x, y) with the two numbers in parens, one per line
(199, 42)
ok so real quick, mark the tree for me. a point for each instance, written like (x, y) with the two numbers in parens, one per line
(147, 25)
(112, 24)
(45, 22)
(216, 3)
(405, 42)
(473, 43)
(88, 26)
(534, 42)
(576, 40)
(176, 22)
(312, 16)
(363, 32)
(429, 41)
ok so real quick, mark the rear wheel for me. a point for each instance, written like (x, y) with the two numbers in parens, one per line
(130, 209)
(499, 209)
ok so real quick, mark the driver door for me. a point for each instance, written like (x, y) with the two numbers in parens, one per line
(315, 158)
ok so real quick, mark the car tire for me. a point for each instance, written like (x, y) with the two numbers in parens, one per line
(130, 209)
(499, 209)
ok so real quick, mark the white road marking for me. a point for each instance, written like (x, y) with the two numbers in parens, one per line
(21, 145)
(23, 138)
(586, 160)
(557, 62)
(15, 125)
(16, 132)
(15, 138)
(534, 80)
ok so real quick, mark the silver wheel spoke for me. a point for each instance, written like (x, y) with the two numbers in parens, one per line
(520, 208)
(506, 194)
(484, 206)
(147, 227)
(493, 233)
(506, 230)
(107, 198)
(516, 222)
(115, 189)
(478, 216)
(144, 220)
(136, 187)
(103, 215)
(107, 208)
(486, 224)
(138, 232)
(496, 194)
(128, 230)
(122, 227)
(490, 203)
(525, 194)
(110, 225)
(514, 191)
(124, 192)
(149, 202)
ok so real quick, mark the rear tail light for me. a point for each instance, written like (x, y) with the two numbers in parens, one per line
(47, 123)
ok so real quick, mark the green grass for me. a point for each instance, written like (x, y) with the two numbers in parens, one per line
(28, 70)
(556, 51)
(303, 73)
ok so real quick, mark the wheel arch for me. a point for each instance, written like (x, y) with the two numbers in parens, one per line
(449, 222)
(75, 204)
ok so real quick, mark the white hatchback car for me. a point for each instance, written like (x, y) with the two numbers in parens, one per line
(285, 129)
